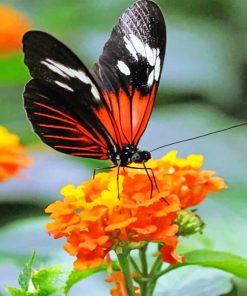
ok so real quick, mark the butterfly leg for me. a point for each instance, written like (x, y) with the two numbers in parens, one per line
(150, 179)
(154, 179)
(118, 193)
(101, 169)
(153, 175)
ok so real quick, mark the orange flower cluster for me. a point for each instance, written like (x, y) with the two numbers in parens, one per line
(94, 221)
(13, 26)
(12, 157)
(120, 287)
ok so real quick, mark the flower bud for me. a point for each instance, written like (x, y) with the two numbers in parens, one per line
(189, 223)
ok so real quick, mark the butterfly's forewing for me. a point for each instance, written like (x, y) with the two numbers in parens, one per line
(63, 102)
(129, 69)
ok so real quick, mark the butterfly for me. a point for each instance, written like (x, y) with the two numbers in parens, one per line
(101, 112)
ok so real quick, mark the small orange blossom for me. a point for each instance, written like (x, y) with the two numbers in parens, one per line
(120, 287)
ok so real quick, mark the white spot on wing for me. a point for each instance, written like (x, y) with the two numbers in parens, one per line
(95, 92)
(151, 78)
(157, 69)
(135, 45)
(138, 45)
(151, 54)
(68, 72)
(52, 67)
(123, 68)
(82, 76)
(63, 85)
(130, 48)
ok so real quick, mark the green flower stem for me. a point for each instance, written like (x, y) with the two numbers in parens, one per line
(143, 259)
(153, 278)
(154, 270)
(168, 269)
(135, 266)
(123, 259)
(156, 266)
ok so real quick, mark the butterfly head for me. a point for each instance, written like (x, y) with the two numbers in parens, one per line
(140, 156)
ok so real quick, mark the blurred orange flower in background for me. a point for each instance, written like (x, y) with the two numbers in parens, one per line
(12, 27)
(94, 221)
(12, 157)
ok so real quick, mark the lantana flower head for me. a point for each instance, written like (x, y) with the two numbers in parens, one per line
(94, 220)
(12, 155)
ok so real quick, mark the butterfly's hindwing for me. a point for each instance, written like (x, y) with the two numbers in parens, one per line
(63, 87)
(59, 126)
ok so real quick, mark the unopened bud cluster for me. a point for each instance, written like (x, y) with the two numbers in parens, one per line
(189, 223)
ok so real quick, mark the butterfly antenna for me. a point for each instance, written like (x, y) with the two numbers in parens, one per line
(202, 136)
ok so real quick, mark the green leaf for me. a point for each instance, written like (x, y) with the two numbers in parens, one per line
(16, 292)
(76, 276)
(50, 280)
(26, 273)
(225, 261)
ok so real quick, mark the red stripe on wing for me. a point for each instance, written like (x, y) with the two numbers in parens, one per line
(58, 127)
(141, 110)
(55, 110)
(78, 129)
(53, 117)
(120, 109)
(91, 155)
(125, 115)
(84, 139)
(89, 148)
(108, 121)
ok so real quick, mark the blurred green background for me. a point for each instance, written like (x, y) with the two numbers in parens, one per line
(203, 88)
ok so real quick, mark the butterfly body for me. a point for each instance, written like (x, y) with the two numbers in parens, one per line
(129, 154)
(100, 112)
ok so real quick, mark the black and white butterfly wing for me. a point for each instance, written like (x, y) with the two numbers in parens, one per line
(129, 69)
(63, 102)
